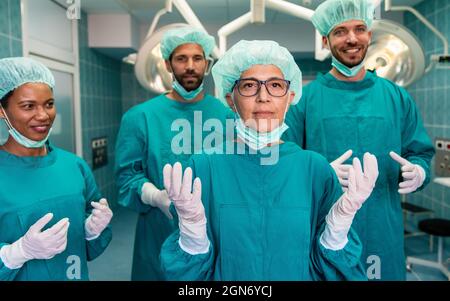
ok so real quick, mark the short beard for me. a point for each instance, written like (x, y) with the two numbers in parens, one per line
(180, 81)
(191, 88)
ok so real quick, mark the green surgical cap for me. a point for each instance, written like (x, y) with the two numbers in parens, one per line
(245, 54)
(334, 12)
(184, 35)
(16, 71)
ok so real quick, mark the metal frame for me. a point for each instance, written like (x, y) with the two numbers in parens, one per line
(417, 233)
(434, 59)
(439, 264)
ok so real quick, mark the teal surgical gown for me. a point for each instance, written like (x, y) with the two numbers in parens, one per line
(60, 183)
(143, 147)
(264, 221)
(373, 115)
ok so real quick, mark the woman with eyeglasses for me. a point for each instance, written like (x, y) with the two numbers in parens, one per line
(250, 217)
(52, 217)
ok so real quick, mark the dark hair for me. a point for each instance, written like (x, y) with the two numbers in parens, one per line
(4, 100)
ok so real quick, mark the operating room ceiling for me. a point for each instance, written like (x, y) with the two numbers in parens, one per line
(208, 11)
(215, 13)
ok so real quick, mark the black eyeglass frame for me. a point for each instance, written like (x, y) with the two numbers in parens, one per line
(260, 83)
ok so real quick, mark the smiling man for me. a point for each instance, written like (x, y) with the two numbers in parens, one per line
(350, 111)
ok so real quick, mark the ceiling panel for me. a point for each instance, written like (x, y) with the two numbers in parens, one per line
(314, 3)
(136, 5)
(98, 7)
(219, 3)
(215, 16)
(147, 17)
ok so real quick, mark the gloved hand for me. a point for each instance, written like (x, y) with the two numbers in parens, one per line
(340, 217)
(189, 207)
(341, 169)
(37, 244)
(157, 198)
(413, 175)
(98, 220)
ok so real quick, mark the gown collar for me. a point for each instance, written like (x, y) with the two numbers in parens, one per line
(283, 149)
(332, 82)
(188, 106)
(8, 159)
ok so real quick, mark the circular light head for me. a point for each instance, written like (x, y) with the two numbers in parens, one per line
(150, 68)
(395, 53)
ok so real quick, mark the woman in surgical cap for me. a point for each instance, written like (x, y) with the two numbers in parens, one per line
(52, 217)
(260, 208)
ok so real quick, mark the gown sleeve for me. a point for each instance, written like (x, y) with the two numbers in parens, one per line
(94, 247)
(416, 144)
(329, 264)
(179, 265)
(130, 159)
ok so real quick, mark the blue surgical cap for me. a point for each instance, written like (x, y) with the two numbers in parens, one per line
(334, 12)
(244, 54)
(184, 35)
(16, 71)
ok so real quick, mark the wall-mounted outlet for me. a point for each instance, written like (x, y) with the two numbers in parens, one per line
(442, 157)
(99, 152)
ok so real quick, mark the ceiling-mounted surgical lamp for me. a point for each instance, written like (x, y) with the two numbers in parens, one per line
(438, 60)
(395, 53)
(149, 66)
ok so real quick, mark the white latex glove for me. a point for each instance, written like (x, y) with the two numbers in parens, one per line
(189, 207)
(413, 174)
(157, 198)
(341, 169)
(37, 244)
(340, 217)
(98, 220)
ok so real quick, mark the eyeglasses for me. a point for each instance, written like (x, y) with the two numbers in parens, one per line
(276, 87)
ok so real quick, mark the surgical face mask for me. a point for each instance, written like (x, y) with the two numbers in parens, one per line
(22, 140)
(185, 94)
(346, 71)
(258, 140)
